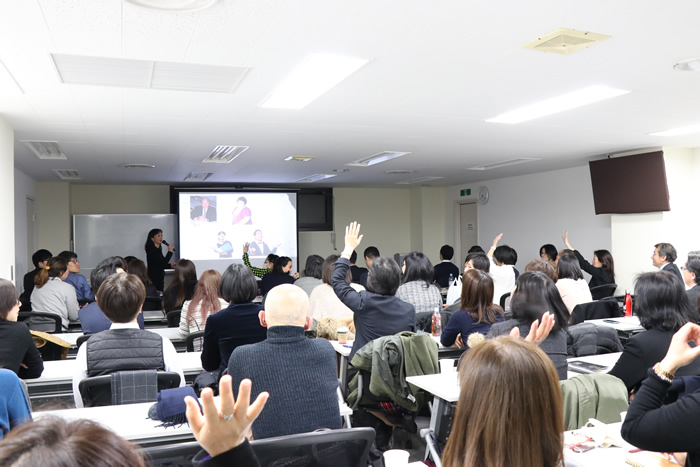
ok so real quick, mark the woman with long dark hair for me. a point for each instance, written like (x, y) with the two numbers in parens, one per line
(477, 313)
(570, 283)
(138, 268)
(52, 295)
(602, 270)
(17, 349)
(205, 302)
(182, 286)
(157, 262)
(509, 411)
(281, 274)
(417, 286)
(663, 308)
(534, 295)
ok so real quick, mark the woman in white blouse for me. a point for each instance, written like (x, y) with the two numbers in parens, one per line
(572, 286)
(205, 301)
(52, 295)
(324, 302)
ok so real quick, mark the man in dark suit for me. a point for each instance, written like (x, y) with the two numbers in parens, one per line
(371, 253)
(691, 277)
(356, 271)
(259, 248)
(204, 212)
(446, 267)
(663, 258)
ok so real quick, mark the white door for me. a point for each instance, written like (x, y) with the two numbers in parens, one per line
(467, 231)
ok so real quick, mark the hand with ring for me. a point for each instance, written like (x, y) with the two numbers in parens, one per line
(220, 431)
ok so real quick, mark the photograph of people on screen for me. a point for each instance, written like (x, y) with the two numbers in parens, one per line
(203, 208)
(241, 213)
(258, 247)
(224, 247)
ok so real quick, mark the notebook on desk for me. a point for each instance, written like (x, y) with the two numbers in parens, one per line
(579, 366)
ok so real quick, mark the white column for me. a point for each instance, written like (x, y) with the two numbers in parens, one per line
(7, 207)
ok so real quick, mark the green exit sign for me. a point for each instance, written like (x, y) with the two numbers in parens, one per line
(466, 192)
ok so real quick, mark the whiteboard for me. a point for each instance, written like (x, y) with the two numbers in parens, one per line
(98, 236)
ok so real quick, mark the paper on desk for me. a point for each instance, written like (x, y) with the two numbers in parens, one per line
(605, 435)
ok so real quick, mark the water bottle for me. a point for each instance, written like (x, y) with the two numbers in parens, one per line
(628, 303)
(437, 322)
(452, 280)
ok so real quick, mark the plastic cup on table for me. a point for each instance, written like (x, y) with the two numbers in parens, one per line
(396, 458)
(343, 335)
(447, 366)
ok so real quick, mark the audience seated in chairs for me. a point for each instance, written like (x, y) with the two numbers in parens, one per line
(535, 294)
(663, 308)
(417, 286)
(445, 267)
(92, 320)
(138, 268)
(356, 271)
(323, 302)
(182, 287)
(237, 324)
(313, 273)
(570, 283)
(377, 311)
(77, 280)
(371, 253)
(602, 269)
(474, 260)
(53, 295)
(205, 302)
(18, 352)
(40, 259)
(298, 373)
(120, 298)
(497, 424)
(280, 274)
(477, 313)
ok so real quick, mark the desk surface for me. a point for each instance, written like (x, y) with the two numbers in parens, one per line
(132, 423)
(61, 371)
(608, 359)
(625, 323)
(168, 333)
(345, 351)
(444, 386)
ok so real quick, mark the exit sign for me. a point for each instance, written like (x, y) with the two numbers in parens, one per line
(466, 192)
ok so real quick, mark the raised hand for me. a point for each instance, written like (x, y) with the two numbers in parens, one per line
(538, 331)
(220, 431)
(245, 247)
(352, 238)
(565, 237)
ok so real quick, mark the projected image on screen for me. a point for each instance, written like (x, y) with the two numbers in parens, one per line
(215, 226)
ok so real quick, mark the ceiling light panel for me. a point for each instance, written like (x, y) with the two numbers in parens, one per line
(299, 158)
(314, 77)
(176, 6)
(315, 178)
(67, 174)
(419, 180)
(565, 41)
(558, 104)
(506, 163)
(377, 158)
(197, 176)
(47, 150)
(224, 154)
(685, 130)
(121, 72)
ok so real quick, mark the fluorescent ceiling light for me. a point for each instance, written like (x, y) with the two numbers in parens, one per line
(315, 178)
(418, 180)
(177, 6)
(197, 176)
(377, 158)
(692, 64)
(318, 74)
(138, 166)
(498, 165)
(685, 130)
(299, 158)
(561, 103)
(224, 154)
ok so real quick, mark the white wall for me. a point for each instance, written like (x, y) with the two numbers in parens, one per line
(53, 220)
(120, 199)
(25, 187)
(532, 210)
(7, 208)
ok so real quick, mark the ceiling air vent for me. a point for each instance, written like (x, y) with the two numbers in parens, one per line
(299, 158)
(565, 41)
(315, 178)
(46, 149)
(498, 165)
(224, 154)
(197, 176)
(67, 174)
(138, 166)
(399, 172)
(377, 158)
(418, 180)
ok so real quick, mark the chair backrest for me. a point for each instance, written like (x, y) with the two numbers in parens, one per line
(171, 454)
(152, 304)
(189, 342)
(502, 300)
(97, 391)
(173, 318)
(601, 309)
(29, 317)
(603, 291)
(82, 339)
(340, 448)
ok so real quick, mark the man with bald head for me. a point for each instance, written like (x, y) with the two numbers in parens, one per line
(299, 373)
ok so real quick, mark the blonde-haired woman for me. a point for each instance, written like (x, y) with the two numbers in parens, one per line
(509, 410)
(205, 301)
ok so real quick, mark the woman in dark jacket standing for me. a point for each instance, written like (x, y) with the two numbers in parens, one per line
(602, 270)
(157, 263)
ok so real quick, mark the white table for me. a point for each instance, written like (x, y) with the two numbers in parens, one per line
(608, 359)
(623, 324)
(132, 423)
(445, 388)
(168, 333)
(344, 351)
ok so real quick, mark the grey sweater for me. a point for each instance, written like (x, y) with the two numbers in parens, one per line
(554, 345)
(300, 375)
